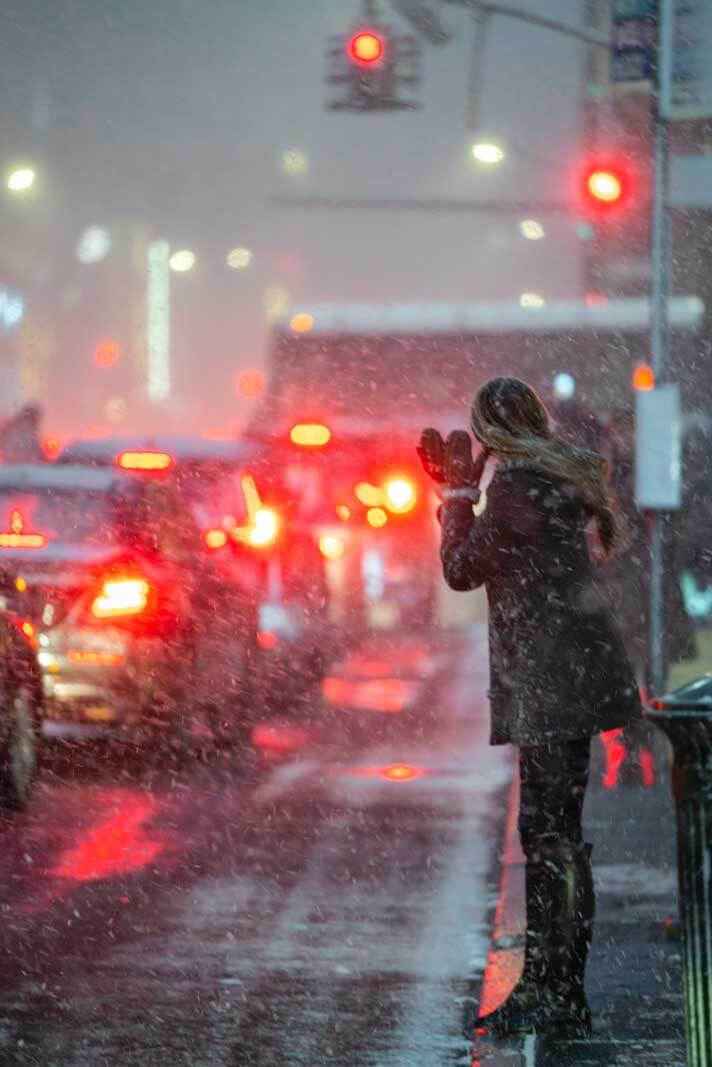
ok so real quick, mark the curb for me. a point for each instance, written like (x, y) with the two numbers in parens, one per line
(506, 954)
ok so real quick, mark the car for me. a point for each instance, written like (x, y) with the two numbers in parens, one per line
(249, 524)
(21, 704)
(136, 633)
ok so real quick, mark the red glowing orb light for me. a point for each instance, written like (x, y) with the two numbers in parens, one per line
(366, 48)
(106, 353)
(251, 383)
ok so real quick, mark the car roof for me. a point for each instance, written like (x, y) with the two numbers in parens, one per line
(61, 478)
(103, 450)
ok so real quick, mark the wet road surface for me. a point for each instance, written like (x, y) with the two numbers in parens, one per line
(328, 903)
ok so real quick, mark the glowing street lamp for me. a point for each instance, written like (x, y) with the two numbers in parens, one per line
(182, 261)
(487, 152)
(239, 258)
(21, 180)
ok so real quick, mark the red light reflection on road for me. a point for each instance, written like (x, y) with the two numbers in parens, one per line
(118, 845)
(393, 772)
(402, 772)
(615, 753)
(389, 695)
(278, 737)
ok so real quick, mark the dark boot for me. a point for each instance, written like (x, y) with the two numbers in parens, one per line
(561, 1004)
(529, 990)
(572, 929)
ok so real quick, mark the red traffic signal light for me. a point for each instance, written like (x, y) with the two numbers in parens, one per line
(605, 185)
(366, 48)
(106, 353)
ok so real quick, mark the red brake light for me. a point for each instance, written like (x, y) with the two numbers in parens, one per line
(28, 632)
(12, 540)
(265, 527)
(310, 434)
(121, 596)
(400, 495)
(215, 538)
(331, 546)
(144, 461)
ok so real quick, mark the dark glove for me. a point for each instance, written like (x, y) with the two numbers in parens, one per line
(459, 467)
(431, 449)
(450, 464)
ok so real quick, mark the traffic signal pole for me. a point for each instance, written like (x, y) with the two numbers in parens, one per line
(659, 334)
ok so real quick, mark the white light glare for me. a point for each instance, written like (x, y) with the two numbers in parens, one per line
(487, 152)
(182, 261)
(294, 161)
(564, 386)
(239, 258)
(20, 180)
(93, 245)
(532, 300)
(531, 229)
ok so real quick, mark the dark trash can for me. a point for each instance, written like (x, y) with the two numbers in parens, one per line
(685, 716)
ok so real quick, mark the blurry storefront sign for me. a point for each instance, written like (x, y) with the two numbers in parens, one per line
(657, 447)
(686, 31)
(634, 34)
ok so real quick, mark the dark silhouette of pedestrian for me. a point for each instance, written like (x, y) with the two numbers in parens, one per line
(559, 673)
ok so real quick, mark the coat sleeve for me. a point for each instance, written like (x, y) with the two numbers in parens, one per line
(474, 550)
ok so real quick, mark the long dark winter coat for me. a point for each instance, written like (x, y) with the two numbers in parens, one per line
(558, 670)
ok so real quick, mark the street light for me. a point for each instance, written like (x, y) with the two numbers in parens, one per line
(21, 180)
(487, 152)
(182, 260)
(239, 258)
(531, 229)
(532, 300)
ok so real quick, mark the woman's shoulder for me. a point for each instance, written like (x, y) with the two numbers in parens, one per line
(525, 480)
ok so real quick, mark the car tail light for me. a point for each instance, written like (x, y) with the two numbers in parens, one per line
(95, 658)
(215, 539)
(267, 639)
(265, 527)
(121, 596)
(400, 495)
(310, 434)
(331, 546)
(28, 632)
(144, 461)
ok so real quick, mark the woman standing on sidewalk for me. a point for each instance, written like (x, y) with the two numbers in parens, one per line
(558, 670)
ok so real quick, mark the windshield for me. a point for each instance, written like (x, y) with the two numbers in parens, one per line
(214, 494)
(73, 516)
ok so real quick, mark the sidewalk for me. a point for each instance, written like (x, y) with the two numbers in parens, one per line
(634, 977)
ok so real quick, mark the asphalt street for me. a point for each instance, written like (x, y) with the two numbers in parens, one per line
(329, 901)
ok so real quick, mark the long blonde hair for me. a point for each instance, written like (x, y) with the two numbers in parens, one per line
(509, 419)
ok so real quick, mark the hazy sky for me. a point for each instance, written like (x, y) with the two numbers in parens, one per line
(175, 113)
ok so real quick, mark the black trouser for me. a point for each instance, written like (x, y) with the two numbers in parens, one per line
(553, 780)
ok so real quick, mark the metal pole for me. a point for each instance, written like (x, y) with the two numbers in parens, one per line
(475, 78)
(658, 340)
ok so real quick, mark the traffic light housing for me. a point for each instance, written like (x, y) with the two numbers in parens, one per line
(371, 65)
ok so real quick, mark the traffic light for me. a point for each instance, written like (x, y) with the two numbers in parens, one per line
(606, 186)
(371, 65)
(366, 48)
(106, 353)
